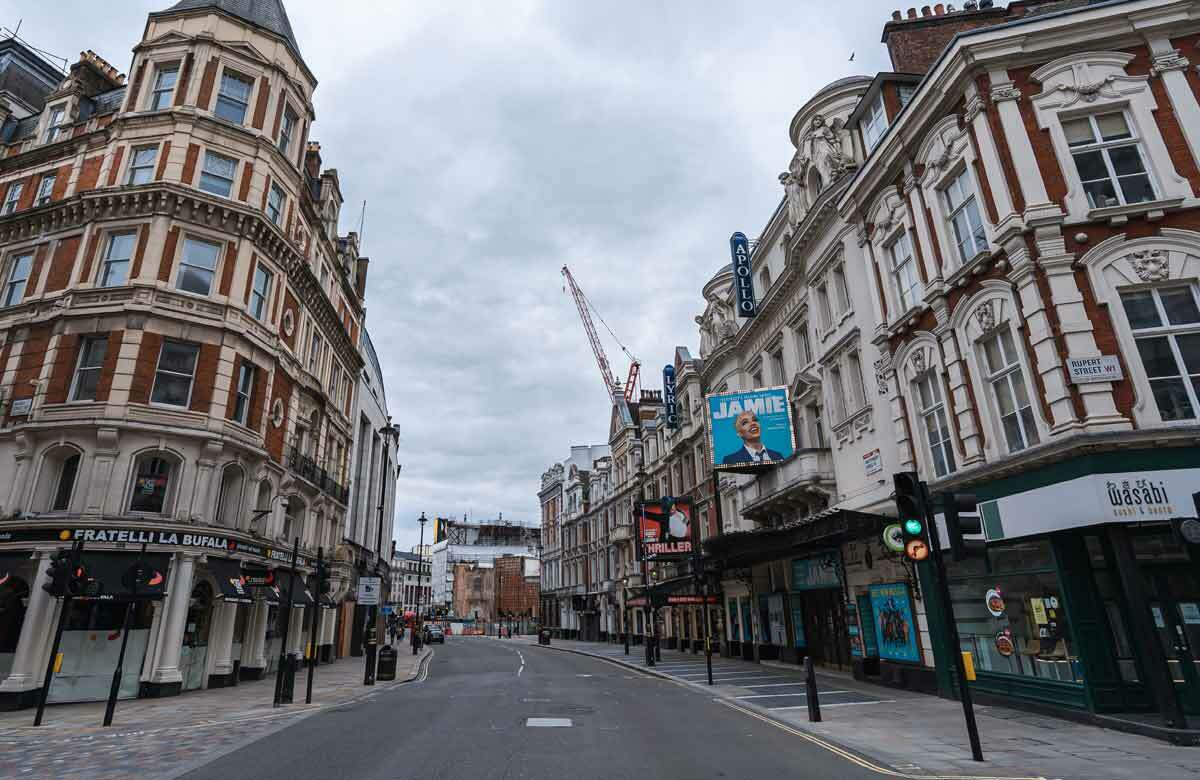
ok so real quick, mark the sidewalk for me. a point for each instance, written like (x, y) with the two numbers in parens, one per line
(915, 734)
(334, 684)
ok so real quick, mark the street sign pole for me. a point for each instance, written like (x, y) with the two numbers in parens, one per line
(943, 584)
(312, 638)
(111, 707)
(76, 551)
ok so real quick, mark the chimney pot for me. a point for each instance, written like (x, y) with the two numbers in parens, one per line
(925, 11)
(939, 9)
(912, 13)
(896, 16)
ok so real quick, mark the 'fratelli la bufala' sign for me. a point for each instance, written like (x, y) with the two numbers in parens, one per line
(743, 281)
(670, 405)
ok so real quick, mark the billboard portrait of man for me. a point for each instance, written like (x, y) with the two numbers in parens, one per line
(752, 450)
(750, 429)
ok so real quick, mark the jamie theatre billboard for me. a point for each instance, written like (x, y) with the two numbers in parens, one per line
(665, 530)
(751, 429)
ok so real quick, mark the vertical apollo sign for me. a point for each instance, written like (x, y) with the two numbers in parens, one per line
(670, 405)
(739, 247)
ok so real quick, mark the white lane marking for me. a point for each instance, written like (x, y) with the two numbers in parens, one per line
(583, 675)
(772, 685)
(781, 695)
(548, 723)
(521, 668)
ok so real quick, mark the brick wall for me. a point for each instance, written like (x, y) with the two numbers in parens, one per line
(915, 42)
(143, 368)
(281, 390)
(205, 378)
(62, 262)
(109, 370)
(29, 364)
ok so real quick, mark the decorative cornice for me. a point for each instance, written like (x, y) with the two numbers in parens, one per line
(1172, 60)
(1005, 92)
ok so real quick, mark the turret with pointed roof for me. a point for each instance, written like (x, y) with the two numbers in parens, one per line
(268, 15)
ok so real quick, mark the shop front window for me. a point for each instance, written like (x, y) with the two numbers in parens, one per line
(1011, 615)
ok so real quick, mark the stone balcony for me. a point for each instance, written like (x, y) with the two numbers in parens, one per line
(805, 480)
(620, 533)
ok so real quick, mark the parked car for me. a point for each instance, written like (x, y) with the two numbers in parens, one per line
(433, 633)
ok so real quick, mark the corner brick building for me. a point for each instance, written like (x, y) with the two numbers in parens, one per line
(179, 349)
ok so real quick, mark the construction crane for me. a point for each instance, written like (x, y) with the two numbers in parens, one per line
(612, 385)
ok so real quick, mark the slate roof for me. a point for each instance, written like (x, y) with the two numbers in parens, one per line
(267, 14)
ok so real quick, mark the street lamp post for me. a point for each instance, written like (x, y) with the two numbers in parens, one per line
(416, 642)
(371, 639)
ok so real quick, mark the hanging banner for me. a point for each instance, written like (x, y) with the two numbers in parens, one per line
(670, 405)
(750, 430)
(665, 530)
(743, 281)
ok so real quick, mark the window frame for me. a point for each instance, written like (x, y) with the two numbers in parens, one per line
(874, 125)
(157, 91)
(191, 377)
(275, 209)
(909, 263)
(134, 167)
(12, 198)
(259, 301)
(184, 263)
(939, 411)
(54, 127)
(107, 261)
(233, 75)
(1005, 374)
(205, 172)
(1171, 332)
(244, 392)
(968, 205)
(287, 125)
(80, 368)
(1104, 148)
(173, 475)
(10, 280)
(45, 193)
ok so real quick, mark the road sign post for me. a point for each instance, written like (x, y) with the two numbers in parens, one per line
(60, 585)
(136, 577)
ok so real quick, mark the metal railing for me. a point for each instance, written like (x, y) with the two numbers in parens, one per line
(308, 469)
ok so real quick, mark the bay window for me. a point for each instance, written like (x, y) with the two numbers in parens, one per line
(114, 268)
(260, 292)
(233, 99)
(141, 166)
(1166, 327)
(164, 87)
(198, 266)
(217, 176)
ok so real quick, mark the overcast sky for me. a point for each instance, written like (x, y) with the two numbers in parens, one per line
(496, 141)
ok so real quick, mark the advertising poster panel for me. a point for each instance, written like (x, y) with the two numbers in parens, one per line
(895, 626)
(751, 429)
(665, 530)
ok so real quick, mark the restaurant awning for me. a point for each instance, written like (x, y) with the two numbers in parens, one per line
(301, 597)
(228, 575)
(833, 526)
(109, 570)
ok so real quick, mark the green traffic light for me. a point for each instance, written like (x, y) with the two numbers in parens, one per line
(913, 526)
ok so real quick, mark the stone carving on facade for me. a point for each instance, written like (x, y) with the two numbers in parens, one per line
(822, 146)
(1088, 91)
(975, 106)
(1005, 92)
(883, 371)
(1172, 60)
(1151, 265)
(917, 362)
(985, 315)
(793, 187)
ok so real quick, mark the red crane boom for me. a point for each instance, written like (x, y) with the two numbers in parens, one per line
(611, 385)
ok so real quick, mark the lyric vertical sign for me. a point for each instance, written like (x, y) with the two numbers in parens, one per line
(743, 280)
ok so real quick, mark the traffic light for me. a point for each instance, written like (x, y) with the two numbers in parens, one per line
(79, 583)
(962, 518)
(58, 573)
(913, 514)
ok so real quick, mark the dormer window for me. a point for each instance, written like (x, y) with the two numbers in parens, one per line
(906, 92)
(164, 87)
(55, 122)
(234, 98)
(874, 123)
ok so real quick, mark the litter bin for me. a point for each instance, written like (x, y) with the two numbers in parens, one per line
(544, 637)
(386, 670)
(287, 687)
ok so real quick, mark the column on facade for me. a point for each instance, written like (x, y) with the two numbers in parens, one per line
(960, 392)
(104, 460)
(255, 650)
(174, 616)
(904, 443)
(33, 645)
(1029, 176)
(220, 642)
(203, 503)
(328, 622)
(989, 155)
(1045, 356)
(20, 477)
(1169, 64)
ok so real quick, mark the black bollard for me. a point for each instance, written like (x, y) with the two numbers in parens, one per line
(810, 684)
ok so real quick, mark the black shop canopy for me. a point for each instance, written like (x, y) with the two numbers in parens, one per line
(228, 575)
(833, 526)
(301, 597)
(113, 576)
(10, 564)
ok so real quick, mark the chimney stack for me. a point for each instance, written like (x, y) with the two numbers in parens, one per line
(916, 41)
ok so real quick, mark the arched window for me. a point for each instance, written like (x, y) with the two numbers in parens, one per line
(57, 479)
(229, 498)
(155, 482)
(260, 520)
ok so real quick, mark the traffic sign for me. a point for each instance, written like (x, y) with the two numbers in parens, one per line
(368, 591)
(893, 538)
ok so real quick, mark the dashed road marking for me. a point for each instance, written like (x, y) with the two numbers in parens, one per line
(548, 723)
